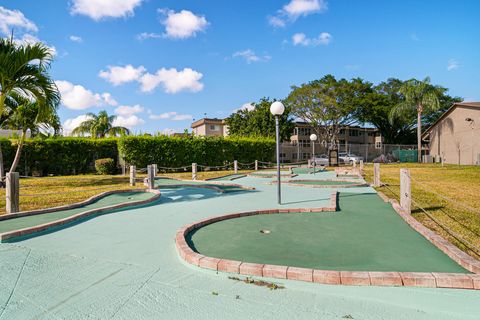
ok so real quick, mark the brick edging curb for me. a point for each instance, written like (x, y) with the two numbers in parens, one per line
(56, 223)
(356, 278)
(457, 255)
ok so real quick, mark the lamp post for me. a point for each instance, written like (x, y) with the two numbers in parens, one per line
(277, 110)
(313, 138)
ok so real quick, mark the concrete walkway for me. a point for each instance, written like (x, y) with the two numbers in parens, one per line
(124, 266)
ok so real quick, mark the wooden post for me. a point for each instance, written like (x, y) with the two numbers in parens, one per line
(235, 166)
(12, 192)
(405, 191)
(133, 175)
(124, 169)
(154, 166)
(256, 165)
(194, 171)
(354, 163)
(361, 165)
(376, 174)
(150, 177)
(309, 163)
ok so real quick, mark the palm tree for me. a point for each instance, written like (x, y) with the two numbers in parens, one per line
(25, 115)
(100, 126)
(419, 96)
(24, 73)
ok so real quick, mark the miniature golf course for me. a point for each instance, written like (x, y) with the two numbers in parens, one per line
(366, 235)
(326, 183)
(126, 266)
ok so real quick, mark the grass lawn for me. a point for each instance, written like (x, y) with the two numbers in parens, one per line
(46, 192)
(450, 194)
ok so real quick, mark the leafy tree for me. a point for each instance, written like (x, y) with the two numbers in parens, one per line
(24, 72)
(419, 96)
(259, 121)
(100, 126)
(25, 116)
(327, 104)
(375, 107)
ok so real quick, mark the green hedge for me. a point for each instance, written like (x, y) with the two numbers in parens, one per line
(180, 151)
(60, 156)
(63, 156)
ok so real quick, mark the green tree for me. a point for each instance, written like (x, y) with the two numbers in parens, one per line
(100, 126)
(419, 96)
(259, 121)
(24, 72)
(26, 115)
(327, 104)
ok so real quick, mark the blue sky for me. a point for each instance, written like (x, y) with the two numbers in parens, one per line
(158, 64)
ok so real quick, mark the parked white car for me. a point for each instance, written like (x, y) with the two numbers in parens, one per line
(349, 157)
(322, 160)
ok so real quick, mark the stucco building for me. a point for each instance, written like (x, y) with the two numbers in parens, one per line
(210, 127)
(455, 136)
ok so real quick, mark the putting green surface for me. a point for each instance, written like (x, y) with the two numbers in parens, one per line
(306, 170)
(35, 220)
(365, 235)
(168, 183)
(324, 182)
(228, 177)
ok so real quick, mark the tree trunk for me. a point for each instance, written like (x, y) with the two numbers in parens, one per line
(2, 171)
(19, 152)
(419, 132)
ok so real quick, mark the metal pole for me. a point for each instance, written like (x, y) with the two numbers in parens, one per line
(277, 134)
(313, 151)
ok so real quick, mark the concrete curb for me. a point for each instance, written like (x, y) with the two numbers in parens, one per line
(354, 278)
(194, 185)
(298, 183)
(48, 225)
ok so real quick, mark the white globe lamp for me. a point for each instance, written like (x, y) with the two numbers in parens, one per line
(277, 108)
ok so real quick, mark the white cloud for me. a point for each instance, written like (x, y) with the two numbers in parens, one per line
(77, 97)
(14, 19)
(174, 116)
(295, 9)
(453, 65)
(129, 110)
(72, 123)
(76, 39)
(128, 121)
(28, 38)
(98, 9)
(172, 80)
(117, 75)
(183, 24)
(246, 106)
(301, 39)
(148, 35)
(250, 56)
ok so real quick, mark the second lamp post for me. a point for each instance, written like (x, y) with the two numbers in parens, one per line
(277, 110)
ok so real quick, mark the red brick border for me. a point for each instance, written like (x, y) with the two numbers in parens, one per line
(356, 278)
(48, 225)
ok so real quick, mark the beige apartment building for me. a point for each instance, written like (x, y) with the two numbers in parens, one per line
(455, 136)
(299, 148)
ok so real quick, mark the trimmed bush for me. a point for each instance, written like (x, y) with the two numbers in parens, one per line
(183, 151)
(105, 166)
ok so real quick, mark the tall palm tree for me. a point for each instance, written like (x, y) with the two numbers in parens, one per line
(100, 126)
(25, 115)
(24, 72)
(419, 96)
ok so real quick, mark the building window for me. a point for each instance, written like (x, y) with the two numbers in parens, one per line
(283, 155)
(371, 134)
(305, 155)
(294, 156)
(342, 131)
(353, 133)
(378, 145)
(214, 127)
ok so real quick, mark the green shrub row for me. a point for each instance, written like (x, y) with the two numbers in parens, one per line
(179, 151)
(63, 156)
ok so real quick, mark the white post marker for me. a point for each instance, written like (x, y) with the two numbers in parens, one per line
(361, 165)
(154, 166)
(405, 191)
(194, 171)
(277, 108)
(133, 175)
(256, 165)
(376, 174)
(235, 166)
(150, 177)
(12, 192)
